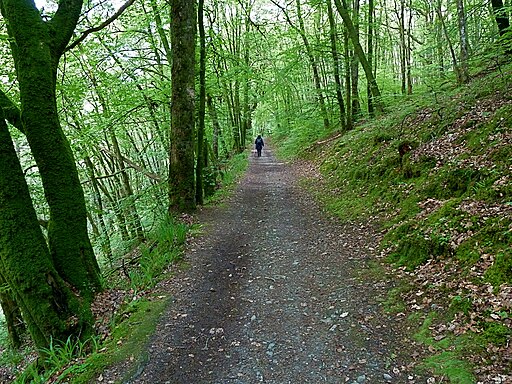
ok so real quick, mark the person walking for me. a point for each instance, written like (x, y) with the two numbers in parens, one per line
(259, 144)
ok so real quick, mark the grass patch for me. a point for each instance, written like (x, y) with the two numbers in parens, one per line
(230, 172)
(447, 360)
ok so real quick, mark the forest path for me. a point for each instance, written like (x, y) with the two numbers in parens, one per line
(277, 292)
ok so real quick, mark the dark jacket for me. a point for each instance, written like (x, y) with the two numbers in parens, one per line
(259, 143)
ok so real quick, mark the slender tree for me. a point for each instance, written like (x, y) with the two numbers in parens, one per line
(301, 30)
(352, 33)
(202, 104)
(463, 38)
(354, 64)
(336, 65)
(371, 29)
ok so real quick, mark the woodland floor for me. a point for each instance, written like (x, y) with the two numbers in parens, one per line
(276, 292)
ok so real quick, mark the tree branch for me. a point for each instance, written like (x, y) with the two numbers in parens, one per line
(101, 26)
(64, 23)
(11, 112)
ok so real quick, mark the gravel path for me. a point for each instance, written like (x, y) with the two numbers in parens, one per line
(277, 293)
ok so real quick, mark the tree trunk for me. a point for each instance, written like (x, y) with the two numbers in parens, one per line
(200, 164)
(246, 112)
(348, 95)
(336, 65)
(455, 63)
(371, 27)
(501, 17)
(311, 58)
(408, 62)
(314, 66)
(181, 159)
(37, 46)
(354, 65)
(12, 314)
(217, 133)
(463, 36)
(50, 309)
(403, 48)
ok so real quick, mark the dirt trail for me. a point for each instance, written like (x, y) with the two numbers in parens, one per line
(276, 293)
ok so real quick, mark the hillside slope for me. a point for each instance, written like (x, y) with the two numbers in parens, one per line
(436, 174)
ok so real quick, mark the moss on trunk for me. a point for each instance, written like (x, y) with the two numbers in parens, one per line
(37, 46)
(50, 309)
(181, 164)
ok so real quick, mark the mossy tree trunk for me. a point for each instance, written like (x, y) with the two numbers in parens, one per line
(181, 163)
(50, 309)
(12, 314)
(37, 46)
(201, 149)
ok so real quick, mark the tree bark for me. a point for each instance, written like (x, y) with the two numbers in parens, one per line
(12, 314)
(50, 309)
(455, 63)
(200, 164)
(181, 159)
(354, 65)
(37, 46)
(371, 27)
(348, 79)
(217, 132)
(464, 45)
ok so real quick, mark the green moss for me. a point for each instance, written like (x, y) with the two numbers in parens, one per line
(394, 302)
(460, 304)
(129, 340)
(501, 270)
(449, 365)
(497, 333)
(448, 358)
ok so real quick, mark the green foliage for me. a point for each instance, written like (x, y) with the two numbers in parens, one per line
(230, 171)
(164, 247)
(460, 304)
(61, 360)
(394, 302)
(389, 166)
(501, 270)
(496, 333)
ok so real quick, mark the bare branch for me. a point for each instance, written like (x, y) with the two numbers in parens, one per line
(101, 26)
